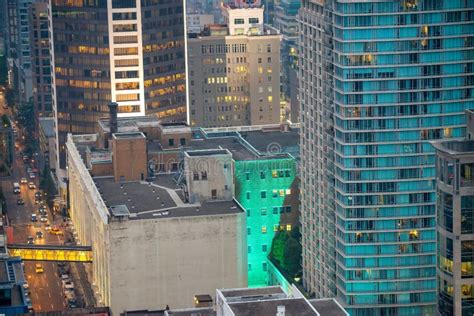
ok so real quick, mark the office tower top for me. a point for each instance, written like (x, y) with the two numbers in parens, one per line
(129, 52)
(378, 81)
(243, 19)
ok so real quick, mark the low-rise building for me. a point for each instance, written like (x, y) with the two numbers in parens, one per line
(152, 246)
(47, 141)
(13, 299)
(264, 301)
(264, 171)
(196, 22)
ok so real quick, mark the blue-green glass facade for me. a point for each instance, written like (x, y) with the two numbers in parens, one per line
(402, 76)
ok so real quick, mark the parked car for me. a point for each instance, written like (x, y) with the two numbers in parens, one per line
(43, 219)
(68, 285)
(20, 201)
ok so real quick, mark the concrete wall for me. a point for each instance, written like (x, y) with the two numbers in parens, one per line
(212, 172)
(129, 158)
(159, 262)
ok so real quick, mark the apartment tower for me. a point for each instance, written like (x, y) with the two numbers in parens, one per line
(378, 81)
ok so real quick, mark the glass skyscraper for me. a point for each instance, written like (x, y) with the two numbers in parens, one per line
(377, 82)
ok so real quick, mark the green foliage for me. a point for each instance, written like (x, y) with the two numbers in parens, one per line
(10, 97)
(5, 120)
(26, 117)
(47, 185)
(3, 70)
(286, 250)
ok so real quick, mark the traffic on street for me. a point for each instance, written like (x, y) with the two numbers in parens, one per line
(51, 285)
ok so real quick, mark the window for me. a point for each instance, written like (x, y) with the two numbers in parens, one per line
(182, 141)
(249, 249)
(287, 173)
(253, 20)
(248, 213)
(264, 248)
(275, 193)
(276, 227)
(264, 266)
(269, 48)
(250, 267)
(264, 229)
(214, 194)
(288, 227)
(248, 195)
(263, 211)
(195, 176)
(260, 60)
(269, 60)
(274, 174)
(239, 21)
(263, 194)
(204, 176)
(275, 210)
(288, 191)
(247, 176)
(248, 231)
(171, 142)
(262, 175)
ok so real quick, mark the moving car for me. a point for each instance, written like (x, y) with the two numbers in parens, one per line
(16, 188)
(39, 235)
(43, 219)
(20, 201)
(39, 268)
(38, 194)
(55, 231)
(32, 175)
(32, 186)
(30, 240)
(23, 181)
(47, 227)
(34, 218)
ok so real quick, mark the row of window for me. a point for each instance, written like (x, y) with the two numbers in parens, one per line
(275, 193)
(275, 210)
(275, 174)
(276, 227)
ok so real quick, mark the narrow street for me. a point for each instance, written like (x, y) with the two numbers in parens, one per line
(46, 291)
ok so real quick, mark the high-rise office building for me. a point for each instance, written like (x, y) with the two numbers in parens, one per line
(455, 225)
(285, 22)
(40, 58)
(378, 82)
(127, 51)
(234, 71)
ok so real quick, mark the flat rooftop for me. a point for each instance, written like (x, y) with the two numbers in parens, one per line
(162, 198)
(3, 272)
(47, 125)
(249, 145)
(293, 307)
(328, 307)
(253, 292)
(130, 124)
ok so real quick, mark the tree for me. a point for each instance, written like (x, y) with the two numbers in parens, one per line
(286, 250)
(47, 185)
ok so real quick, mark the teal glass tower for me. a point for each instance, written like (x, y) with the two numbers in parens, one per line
(378, 80)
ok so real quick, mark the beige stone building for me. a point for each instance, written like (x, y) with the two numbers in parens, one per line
(234, 72)
(151, 245)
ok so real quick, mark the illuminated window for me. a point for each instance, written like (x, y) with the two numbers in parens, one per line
(276, 227)
(288, 227)
(264, 229)
(275, 193)
(270, 98)
(274, 174)
(288, 191)
(282, 193)
(260, 69)
(448, 132)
